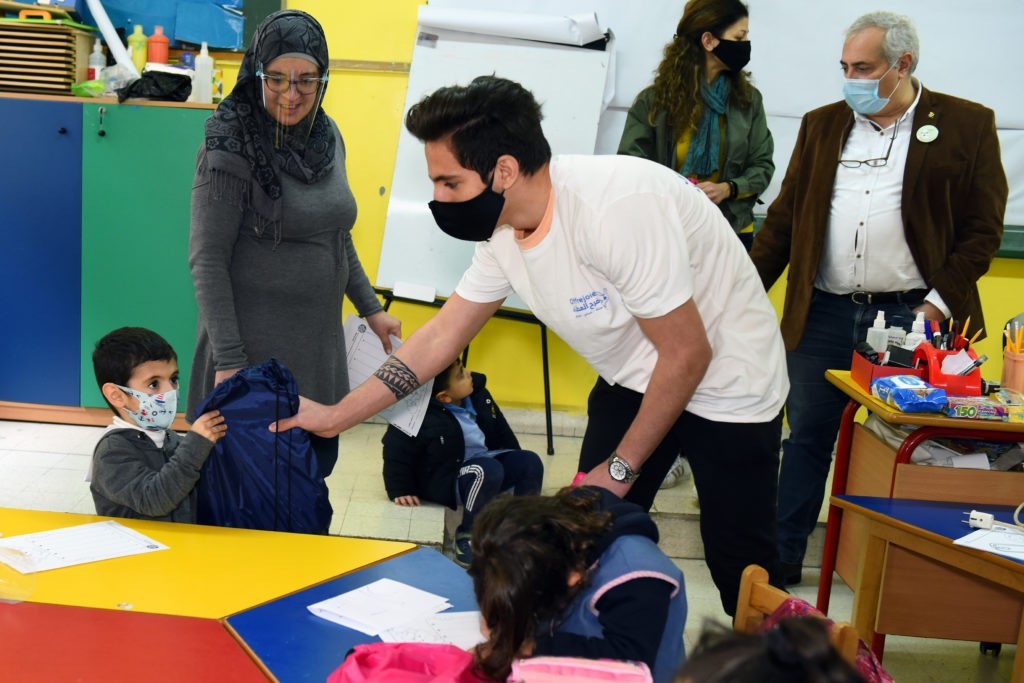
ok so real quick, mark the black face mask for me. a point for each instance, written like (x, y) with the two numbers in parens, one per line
(735, 54)
(473, 220)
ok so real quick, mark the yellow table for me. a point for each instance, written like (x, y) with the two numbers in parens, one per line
(209, 572)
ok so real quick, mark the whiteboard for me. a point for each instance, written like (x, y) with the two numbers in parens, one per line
(968, 49)
(568, 82)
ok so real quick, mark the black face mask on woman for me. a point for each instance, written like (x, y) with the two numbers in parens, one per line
(473, 220)
(735, 54)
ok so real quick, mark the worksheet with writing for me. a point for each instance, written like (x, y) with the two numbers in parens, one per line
(72, 545)
(364, 354)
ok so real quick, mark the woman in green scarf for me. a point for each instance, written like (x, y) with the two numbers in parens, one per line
(702, 116)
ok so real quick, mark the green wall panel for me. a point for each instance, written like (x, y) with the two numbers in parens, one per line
(136, 187)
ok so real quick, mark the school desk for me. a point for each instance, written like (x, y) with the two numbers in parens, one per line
(59, 643)
(866, 465)
(895, 530)
(295, 645)
(206, 572)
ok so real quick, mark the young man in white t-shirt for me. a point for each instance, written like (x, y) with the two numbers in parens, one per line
(635, 269)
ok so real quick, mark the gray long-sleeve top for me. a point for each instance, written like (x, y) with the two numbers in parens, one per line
(133, 477)
(262, 294)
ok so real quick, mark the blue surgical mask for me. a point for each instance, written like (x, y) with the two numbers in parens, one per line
(862, 94)
(156, 411)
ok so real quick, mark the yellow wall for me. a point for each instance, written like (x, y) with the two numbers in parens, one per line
(368, 108)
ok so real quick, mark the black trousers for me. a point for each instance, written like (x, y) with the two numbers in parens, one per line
(735, 469)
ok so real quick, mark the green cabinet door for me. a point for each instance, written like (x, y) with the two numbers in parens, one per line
(137, 169)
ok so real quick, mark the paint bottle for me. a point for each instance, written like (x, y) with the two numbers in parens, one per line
(158, 46)
(202, 81)
(137, 43)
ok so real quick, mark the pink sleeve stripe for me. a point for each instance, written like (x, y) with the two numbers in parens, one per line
(618, 581)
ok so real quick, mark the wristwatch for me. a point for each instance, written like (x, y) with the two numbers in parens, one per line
(620, 471)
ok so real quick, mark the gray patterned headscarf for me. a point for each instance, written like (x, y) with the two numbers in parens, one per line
(246, 147)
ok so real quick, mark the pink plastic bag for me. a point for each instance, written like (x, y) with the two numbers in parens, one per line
(577, 670)
(406, 663)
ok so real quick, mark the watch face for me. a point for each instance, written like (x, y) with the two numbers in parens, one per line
(617, 470)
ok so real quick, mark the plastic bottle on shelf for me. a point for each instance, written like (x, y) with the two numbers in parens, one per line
(916, 335)
(878, 336)
(97, 60)
(138, 44)
(158, 46)
(202, 82)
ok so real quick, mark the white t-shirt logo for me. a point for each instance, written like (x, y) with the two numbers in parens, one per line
(588, 303)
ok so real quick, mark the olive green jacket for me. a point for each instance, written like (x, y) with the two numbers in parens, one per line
(748, 150)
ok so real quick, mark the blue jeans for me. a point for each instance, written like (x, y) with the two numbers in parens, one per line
(835, 324)
(483, 478)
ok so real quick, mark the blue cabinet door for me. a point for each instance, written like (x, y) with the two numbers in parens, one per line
(40, 251)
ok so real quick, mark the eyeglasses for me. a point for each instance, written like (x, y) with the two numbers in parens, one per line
(277, 83)
(873, 163)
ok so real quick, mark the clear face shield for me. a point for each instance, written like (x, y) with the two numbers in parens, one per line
(292, 99)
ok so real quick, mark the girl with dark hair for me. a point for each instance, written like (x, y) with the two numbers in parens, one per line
(270, 246)
(702, 117)
(575, 574)
(796, 650)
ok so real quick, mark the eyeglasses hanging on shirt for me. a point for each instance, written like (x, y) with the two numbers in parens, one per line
(877, 162)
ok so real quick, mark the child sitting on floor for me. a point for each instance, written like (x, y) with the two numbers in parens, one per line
(465, 453)
(140, 468)
(575, 574)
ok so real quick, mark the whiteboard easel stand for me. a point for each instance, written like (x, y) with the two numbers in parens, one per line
(521, 316)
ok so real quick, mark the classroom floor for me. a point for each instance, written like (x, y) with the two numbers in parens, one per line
(43, 467)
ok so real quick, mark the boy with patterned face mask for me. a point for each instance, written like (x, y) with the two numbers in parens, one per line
(140, 468)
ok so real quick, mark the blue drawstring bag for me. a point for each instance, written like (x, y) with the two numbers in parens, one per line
(255, 478)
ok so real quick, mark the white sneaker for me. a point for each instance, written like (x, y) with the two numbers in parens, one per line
(679, 471)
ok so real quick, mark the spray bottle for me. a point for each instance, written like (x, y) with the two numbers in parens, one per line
(878, 336)
(916, 335)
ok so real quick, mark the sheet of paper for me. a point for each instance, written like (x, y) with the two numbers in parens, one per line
(364, 354)
(379, 606)
(72, 545)
(461, 629)
(1000, 539)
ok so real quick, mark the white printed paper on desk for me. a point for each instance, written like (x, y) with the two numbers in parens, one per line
(75, 545)
(1000, 539)
(379, 606)
(461, 629)
(364, 354)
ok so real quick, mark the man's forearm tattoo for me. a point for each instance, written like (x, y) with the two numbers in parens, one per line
(397, 377)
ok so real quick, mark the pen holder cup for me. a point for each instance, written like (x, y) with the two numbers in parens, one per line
(1013, 370)
(863, 371)
(930, 359)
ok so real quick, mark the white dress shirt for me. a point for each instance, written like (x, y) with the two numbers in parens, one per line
(865, 247)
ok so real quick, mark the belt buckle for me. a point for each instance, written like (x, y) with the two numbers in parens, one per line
(855, 298)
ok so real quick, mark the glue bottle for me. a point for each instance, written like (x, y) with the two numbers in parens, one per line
(97, 60)
(916, 335)
(138, 44)
(878, 336)
(158, 46)
(202, 82)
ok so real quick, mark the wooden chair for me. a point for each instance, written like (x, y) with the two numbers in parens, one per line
(758, 599)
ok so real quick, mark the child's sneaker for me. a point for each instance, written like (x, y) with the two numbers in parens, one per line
(463, 550)
(679, 471)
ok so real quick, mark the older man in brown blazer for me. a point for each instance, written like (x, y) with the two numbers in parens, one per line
(893, 201)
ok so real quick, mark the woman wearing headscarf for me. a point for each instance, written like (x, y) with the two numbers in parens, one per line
(702, 117)
(270, 248)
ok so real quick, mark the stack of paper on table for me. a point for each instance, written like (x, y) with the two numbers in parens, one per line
(378, 606)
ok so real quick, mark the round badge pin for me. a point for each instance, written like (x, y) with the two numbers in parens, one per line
(927, 133)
